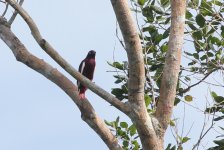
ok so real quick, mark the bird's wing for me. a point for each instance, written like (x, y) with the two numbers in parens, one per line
(81, 68)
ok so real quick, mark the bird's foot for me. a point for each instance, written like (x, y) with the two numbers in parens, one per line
(82, 96)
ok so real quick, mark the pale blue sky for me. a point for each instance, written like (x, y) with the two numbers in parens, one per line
(35, 114)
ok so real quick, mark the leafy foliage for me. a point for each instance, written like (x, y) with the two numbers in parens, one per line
(217, 107)
(204, 33)
(127, 134)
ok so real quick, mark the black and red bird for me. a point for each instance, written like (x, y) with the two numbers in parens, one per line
(86, 68)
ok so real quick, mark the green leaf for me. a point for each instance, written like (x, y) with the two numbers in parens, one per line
(222, 111)
(117, 65)
(199, 46)
(132, 130)
(123, 124)
(124, 88)
(157, 9)
(196, 56)
(147, 100)
(219, 142)
(116, 122)
(219, 118)
(213, 94)
(141, 2)
(197, 35)
(168, 147)
(210, 54)
(218, 55)
(164, 48)
(156, 66)
(135, 143)
(108, 123)
(172, 123)
(117, 92)
(173, 148)
(185, 139)
(166, 33)
(195, 2)
(215, 40)
(177, 100)
(125, 143)
(222, 33)
(200, 20)
(158, 76)
(219, 99)
(221, 128)
(188, 98)
(119, 78)
(211, 31)
(187, 53)
(188, 14)
(215, 23)
(150, 29)
(206, 8)
(165, 3)
(213, 109)
(167, 20)
(216, 2)
(187, 78)
(158, 38)
(191, 25)
(148, 13)
(203, 57)
(118, 81)
(153, 2)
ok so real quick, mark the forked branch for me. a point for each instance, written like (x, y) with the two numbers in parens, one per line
(136, 80)
(39, 65)
(15, 13)
(63, 63)
(172, 63)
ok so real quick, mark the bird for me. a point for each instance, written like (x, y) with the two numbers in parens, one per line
(86, 68)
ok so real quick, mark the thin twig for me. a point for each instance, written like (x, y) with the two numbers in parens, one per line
(187, 89)
(182, 132)
(117, 35)
(14, 14)
(6, 8)
(202, 135)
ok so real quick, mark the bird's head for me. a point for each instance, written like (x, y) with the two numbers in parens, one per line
(91, 54)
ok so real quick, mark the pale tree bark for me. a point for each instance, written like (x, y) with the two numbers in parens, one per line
(151, 129)
(151, 135)
(136, 81)
(88, 113)
(172, 65)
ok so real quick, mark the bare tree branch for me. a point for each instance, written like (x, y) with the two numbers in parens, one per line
(39, 65)
(64, 64)
(5, 11)
(203, 134)
(172, 63)
(136, 81)
(15, 14)
(189, 87)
